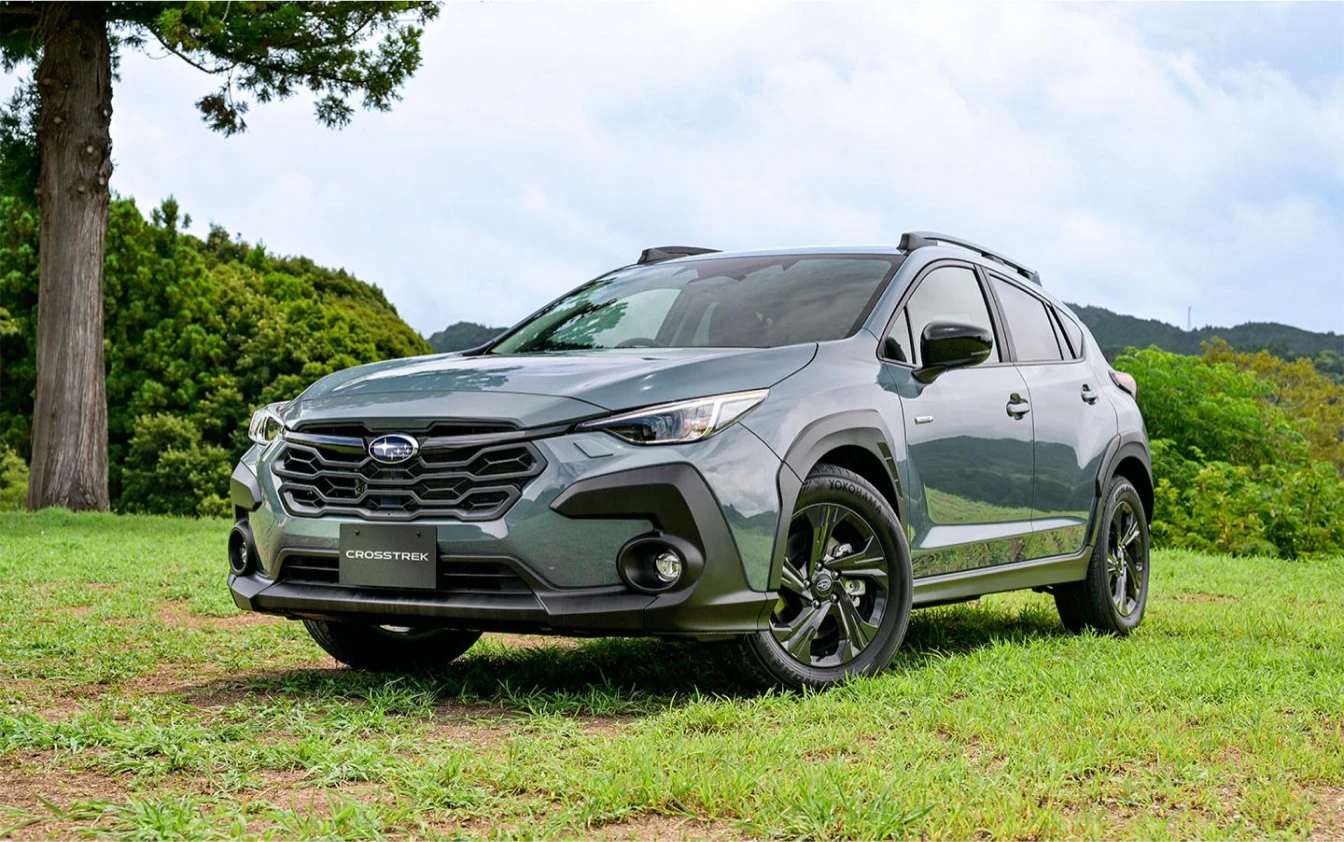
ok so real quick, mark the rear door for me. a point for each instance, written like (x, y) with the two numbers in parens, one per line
(967, 469)
(1072, 424)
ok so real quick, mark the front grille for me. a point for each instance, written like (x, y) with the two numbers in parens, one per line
(437, 429)
(454, 576)
(476, 474)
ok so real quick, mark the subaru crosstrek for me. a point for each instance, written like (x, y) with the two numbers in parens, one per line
(780, 451)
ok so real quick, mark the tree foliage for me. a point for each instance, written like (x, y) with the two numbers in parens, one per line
(13, 480)
(199, 332)
(264, 51)
(1214, 409)
(1238, 463)
(1306, 396)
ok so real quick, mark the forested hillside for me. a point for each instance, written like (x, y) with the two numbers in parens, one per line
(1116, 331)
(462, 335)
(198, 333)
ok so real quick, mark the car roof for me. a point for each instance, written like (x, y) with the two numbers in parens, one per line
(934, 252)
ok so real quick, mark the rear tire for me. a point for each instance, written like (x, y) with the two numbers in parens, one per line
(1113, 597)
(845, 595)
(390, 648)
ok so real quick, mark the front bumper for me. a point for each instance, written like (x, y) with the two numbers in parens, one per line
(561, 540)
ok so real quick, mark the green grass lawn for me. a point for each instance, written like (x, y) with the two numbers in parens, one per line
(136, 702)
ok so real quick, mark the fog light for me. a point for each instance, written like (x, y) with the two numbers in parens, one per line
(668, 565)
(242, 556)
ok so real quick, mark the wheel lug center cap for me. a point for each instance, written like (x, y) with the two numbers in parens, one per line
(822, 584)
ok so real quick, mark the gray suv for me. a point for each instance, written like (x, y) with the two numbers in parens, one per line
(782, 452)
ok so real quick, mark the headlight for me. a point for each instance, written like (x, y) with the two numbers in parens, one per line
(266, 424)
(678, 423)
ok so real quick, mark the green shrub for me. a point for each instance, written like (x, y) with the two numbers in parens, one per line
(1234, 473)
(1223, 508)
(1215, 410)
(13, 481)
(169, 470)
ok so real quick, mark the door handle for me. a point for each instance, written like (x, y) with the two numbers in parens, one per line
(1089, 395)
(1017, 407)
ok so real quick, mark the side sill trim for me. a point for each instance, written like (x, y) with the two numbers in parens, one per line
(1008, 577)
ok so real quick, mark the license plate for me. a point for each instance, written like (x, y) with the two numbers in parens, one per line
(388, 556)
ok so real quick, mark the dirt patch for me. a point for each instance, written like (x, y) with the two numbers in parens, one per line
(486, 726)
(179, 613)
(463, 726)
(533, 641)
(44, 793)
(1327, 819)
(28, 784)
(650, 826)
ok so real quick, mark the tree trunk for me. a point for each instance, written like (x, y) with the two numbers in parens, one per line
(74, 79)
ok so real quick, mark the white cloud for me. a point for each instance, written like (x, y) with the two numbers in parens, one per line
(540, 145)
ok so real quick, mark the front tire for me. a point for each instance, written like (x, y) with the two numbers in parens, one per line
(1113, 597)
(845, 592)
(390, 648)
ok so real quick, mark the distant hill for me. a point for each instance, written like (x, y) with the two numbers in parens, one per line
(463, 335)
(1116, 331)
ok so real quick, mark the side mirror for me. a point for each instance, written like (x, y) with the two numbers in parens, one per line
(947, 345)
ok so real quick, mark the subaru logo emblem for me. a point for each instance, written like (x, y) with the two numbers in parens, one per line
(393, 449)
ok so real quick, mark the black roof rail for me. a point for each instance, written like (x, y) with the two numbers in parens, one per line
(918, 239)
(660, 253)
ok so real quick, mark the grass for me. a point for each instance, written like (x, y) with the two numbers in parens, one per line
(137, 703)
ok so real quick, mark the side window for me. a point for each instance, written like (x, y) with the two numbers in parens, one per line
(948, 294)
(1073, 333)
(1029, 322)
(904, 351)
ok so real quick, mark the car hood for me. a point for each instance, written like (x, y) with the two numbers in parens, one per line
(535, 390)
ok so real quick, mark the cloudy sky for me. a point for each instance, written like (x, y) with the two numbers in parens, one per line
(1146, 158)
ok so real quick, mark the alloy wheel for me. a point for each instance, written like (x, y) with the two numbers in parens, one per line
(1126, 556)
(834, 589)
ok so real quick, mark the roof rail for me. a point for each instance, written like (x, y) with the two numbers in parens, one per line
(660, 253)
(918, 239)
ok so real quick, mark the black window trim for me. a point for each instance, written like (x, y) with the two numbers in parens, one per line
(1061, 316)
(997, 321)
(1050, 309)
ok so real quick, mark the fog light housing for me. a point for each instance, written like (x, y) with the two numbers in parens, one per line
(656, 563)
(668, 566)
(242, 550)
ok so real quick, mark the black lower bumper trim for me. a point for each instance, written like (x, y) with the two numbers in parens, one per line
(614, 610)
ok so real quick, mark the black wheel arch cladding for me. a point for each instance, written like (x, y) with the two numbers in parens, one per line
(862, 429)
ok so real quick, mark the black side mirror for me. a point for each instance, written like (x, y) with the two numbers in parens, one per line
(947, 345)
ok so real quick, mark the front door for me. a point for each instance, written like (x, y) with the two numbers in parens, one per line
(969, 457)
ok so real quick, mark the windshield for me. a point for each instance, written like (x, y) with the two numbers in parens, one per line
(731, 302)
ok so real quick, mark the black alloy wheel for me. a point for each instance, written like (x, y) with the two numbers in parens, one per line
(844, 596)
